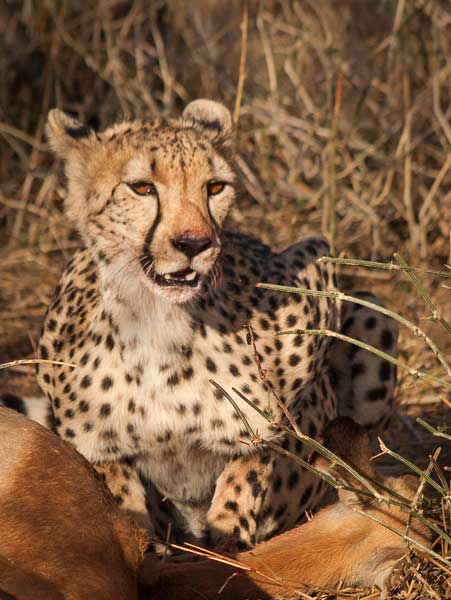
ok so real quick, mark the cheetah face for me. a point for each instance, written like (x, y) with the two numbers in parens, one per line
(150, 199)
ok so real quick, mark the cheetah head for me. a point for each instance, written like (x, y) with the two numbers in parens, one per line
(150, 198)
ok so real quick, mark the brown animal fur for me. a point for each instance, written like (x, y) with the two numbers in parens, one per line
(61, 533)
(64, 537)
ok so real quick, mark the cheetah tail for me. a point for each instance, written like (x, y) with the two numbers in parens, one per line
(36, 408)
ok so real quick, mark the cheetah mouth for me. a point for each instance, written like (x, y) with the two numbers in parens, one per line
(184, 278)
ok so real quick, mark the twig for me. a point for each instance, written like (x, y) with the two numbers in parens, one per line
(423, 581)
(376, 307)
(306, 440)
(237, 409)
(415, 373)
(410, 465)
(433, 430)
(268, 384)
(332, 184)
(418, 494)
(215, 556)
(267, 50)
(243, 59)
(371, 264)
(34, 361)
(396, 499)
(435, 316)
(406, 538)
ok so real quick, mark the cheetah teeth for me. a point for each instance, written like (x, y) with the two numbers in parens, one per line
(191, 276)
(188, 277)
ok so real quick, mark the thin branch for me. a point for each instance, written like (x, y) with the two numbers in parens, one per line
(371, 264)
(406, 538)
(243, 59)
(376, 307)
(433, 430)
(415, 373)
(267, 383)
(35, 361)
(411, 466)
(332, 182)
(419, 493)
(435, 316)
(395, 500)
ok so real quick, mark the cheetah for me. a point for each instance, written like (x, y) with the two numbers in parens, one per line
(158, 306)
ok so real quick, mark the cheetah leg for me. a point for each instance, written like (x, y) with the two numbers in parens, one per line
(128, 491)
(364, 383)
(266, 493)
(259, 496)
(238, 500)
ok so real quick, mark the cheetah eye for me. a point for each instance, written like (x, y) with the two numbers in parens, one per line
(142, 188)
(215, 187)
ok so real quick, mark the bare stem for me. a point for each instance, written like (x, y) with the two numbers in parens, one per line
(435, 316)
(243, 58)
(416, 500)
(395, 499)
(411, 466)
(381, 309)
(35, 361)
(415, 373)
(433, 430)
(380, 265)
(406, 538)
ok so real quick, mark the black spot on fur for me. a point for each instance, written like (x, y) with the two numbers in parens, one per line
(211, 366)
(306, 497)
(357, 369)
(280, 511)
(233, 506)
(293, 480)
(377, 394)
(173, 380)
(386, 339)
(291, 320)
(13, 402)
(384, 371)
(105, 410)
(107, 383)
(347, 325)
(86, 382)
(234, 370)
(294, 360)
(370, 323)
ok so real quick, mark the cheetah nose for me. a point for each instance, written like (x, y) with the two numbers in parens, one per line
(191, 246)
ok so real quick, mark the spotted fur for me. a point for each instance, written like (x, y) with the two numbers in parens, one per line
(140, 404)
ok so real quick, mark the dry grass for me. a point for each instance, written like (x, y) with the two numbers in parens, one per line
(345, 128)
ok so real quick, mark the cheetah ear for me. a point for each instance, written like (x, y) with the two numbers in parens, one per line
(212, 117)
(65, 133)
